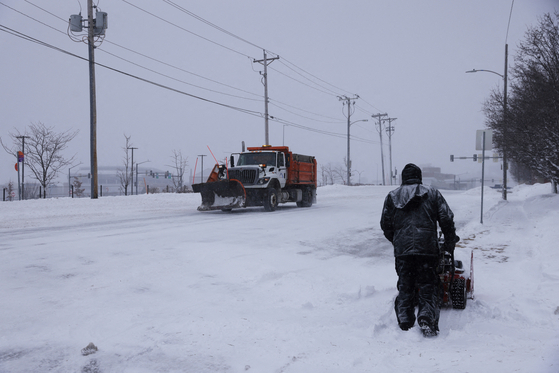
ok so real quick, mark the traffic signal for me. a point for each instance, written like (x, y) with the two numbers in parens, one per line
(452, 157)
(475, 157)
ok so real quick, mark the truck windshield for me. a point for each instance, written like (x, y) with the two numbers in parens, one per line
(267, 158)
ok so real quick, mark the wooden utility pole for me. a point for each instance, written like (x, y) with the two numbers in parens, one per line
(389, 131)
(378, 116)
(265, 76)
(92, 100)
(348, 101)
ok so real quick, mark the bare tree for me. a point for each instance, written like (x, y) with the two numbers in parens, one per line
(328, 173)
(125, 176)
(10, 190)
(77, 184)
(340, 173)
(43, 150)
(180, 164)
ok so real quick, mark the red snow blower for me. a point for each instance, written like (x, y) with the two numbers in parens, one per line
(457, 285)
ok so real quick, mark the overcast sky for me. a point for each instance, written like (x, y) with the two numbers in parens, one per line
(404, 58)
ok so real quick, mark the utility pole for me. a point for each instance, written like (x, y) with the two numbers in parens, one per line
(265, 77)
(389, 131)
(379, 129)
(95, 32)
(132, 172)
(202, 169)
(348, 101)
(92, 101)
(505, 126)
(22, 165)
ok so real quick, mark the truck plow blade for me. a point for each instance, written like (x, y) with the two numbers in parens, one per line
(220, 195)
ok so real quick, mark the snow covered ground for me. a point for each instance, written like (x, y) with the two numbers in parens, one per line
(160, 287)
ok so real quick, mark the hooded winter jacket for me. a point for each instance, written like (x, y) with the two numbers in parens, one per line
(410, 215)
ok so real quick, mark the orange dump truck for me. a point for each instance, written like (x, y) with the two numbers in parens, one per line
(261, 176)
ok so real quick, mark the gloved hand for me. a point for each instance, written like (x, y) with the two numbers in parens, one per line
(450, 244)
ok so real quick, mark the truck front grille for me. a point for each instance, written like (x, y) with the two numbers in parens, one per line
(244, 176)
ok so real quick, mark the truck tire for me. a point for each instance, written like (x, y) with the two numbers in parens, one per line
(458, 294)
(306, 200)
(271, 199)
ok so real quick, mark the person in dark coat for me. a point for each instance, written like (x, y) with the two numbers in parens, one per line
(409, 220)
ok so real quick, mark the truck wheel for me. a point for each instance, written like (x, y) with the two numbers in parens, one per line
(458, 294)
(271, 199)
(306, 201)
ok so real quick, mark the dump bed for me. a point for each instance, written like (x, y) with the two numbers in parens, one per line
(302, 168)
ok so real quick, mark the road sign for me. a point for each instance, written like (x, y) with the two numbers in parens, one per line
(20, 156)
(16, 167)
(488, 139)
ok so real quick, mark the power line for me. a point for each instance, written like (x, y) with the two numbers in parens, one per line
(183, 70)
(246, 111)
(143, 55)
(210, 23)
(188, 31)
(324, 89)
(31, 39)
(275, 103)
(306, 72)
(178, 80)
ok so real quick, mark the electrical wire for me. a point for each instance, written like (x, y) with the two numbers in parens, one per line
(210, 23)
(183, 70)
(327, 89)
(246, 111)
(37, 41)
(178, 80)
(324, 89)
(276, 102)
(185, 30)
(201, 19)
(145, 56)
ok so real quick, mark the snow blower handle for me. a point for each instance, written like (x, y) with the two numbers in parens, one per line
(450, 248)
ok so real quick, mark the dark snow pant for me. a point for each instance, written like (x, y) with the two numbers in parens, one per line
(418, 283)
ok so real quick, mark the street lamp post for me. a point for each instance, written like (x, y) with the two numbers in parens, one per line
(504, 77)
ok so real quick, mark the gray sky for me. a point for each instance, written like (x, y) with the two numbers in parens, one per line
(404, 58)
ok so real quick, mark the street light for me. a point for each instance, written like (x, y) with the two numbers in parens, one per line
(504, 77)
(348, 154)
(487, 71)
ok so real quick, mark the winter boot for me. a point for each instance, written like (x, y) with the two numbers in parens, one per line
(428, 328)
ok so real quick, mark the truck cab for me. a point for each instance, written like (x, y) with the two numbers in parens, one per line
(258, 168)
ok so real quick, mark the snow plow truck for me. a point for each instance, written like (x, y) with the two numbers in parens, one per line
(261, 176)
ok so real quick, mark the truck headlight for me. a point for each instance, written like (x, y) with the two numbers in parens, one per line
(264, 180)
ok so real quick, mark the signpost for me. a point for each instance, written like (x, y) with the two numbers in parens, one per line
(484, 141)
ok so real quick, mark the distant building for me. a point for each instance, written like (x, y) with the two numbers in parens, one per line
(109, 181)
